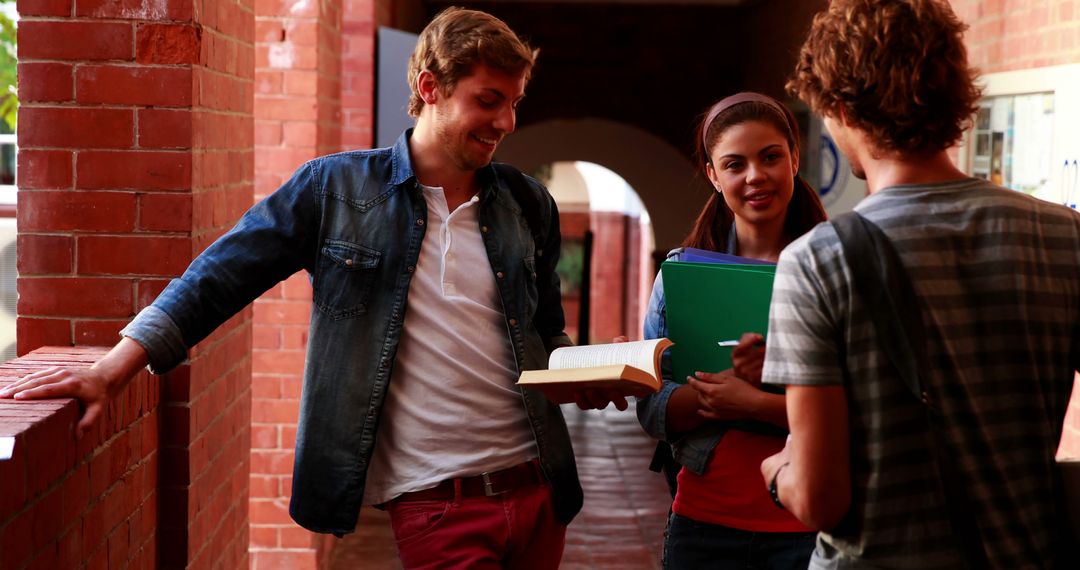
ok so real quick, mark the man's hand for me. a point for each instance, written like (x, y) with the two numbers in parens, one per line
(722, 396)
(599, 399)
(88, 385)
(95, 387)
(748, 357)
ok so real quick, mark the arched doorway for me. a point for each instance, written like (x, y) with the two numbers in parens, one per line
(664, 179)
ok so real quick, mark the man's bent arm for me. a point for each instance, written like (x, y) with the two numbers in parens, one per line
(813, 473)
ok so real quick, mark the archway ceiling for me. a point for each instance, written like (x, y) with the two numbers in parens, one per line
(653, 64)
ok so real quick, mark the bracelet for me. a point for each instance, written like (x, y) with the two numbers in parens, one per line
(772, 487)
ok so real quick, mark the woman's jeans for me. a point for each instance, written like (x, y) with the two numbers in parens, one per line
(689, 545)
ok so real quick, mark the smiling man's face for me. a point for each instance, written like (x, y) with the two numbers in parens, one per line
(481, 110)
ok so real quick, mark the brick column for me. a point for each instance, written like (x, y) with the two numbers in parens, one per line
(135, 153)
(358, 71)
(297, 117)
(609, 263)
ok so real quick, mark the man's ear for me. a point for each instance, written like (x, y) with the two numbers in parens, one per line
(427, 87)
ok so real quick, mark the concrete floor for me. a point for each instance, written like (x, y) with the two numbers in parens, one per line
(621, 525)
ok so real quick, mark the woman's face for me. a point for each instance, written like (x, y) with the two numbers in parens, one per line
(754, 171)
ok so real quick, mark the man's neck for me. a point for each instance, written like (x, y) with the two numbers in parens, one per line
(910, 168)
(433, 168)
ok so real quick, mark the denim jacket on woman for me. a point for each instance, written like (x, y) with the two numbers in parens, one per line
(692, 449)
(355, 221)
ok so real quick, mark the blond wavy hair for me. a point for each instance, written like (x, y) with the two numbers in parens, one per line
(896, 69)
(458, 39)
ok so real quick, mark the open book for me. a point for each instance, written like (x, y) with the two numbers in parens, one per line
(632, 368)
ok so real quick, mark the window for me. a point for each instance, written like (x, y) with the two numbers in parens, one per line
(1012, 140)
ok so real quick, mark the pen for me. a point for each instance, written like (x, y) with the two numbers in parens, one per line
(735, 342)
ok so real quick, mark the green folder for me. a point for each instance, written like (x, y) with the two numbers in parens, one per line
(712, 302)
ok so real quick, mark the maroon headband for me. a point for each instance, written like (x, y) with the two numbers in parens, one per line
(729, 102)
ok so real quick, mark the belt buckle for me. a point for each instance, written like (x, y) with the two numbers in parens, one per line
(489, 490)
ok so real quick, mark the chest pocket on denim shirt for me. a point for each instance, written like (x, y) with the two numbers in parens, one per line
(345, 277)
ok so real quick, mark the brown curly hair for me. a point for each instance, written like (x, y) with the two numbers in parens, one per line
(896, 69)
(456, 40)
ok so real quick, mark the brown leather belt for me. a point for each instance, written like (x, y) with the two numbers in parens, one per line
(485, 484)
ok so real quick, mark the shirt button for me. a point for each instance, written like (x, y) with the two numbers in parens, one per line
(411, 268)
(484, 229)
(348, 262)
(539, 252)
(500, 275)
(420, 222)
(513, 322)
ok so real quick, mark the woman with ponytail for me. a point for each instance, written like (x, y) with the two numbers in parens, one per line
(722, 424)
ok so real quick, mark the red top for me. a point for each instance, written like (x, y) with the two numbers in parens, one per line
(731, 492)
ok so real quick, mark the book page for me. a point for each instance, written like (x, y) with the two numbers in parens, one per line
(639, 354)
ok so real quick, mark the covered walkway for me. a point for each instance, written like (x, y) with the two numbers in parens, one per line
(621, 525)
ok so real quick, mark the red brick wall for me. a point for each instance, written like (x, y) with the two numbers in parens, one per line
(136, 152)
(208, 401)
(297, 117)
(632, 312)
(103, 153)
(91, 503)
(1007, 35)
(609, 262)
(358, 72)
(328, 79)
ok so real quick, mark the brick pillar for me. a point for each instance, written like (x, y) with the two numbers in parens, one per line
(358, 71)
(297, 117)
(608, 275)
(633, 311)
(135, 153)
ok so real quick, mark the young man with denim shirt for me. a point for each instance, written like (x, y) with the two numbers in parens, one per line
(432, 289)
(996, 279)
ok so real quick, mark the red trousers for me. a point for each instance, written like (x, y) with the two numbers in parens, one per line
(517, 529)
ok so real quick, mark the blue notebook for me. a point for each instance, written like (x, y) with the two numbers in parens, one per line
(694, 255)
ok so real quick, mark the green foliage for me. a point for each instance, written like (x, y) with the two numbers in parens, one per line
(9, 99)
(571, 264)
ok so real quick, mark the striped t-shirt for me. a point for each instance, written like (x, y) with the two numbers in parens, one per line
(998, 278)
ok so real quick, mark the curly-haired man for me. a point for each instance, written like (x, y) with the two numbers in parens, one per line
(996, 278)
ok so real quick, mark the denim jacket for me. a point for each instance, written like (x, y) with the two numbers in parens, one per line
(693, 449)
(355, 221)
